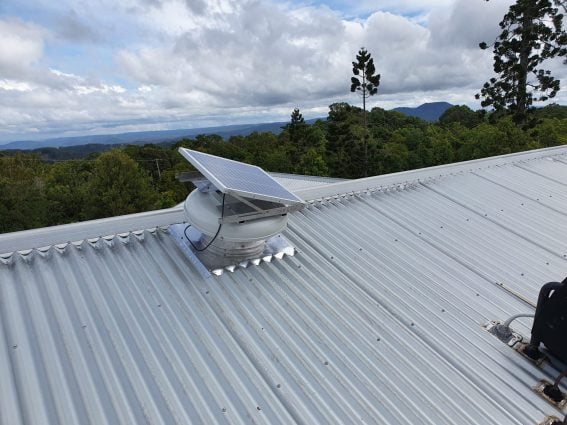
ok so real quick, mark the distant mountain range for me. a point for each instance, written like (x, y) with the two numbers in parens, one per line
(428, 112)
(139, 137)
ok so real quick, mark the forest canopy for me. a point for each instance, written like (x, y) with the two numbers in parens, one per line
(53, 186)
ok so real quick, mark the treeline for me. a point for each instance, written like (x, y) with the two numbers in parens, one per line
(37, 193)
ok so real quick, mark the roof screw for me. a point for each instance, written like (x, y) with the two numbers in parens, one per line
(547, 264)
(395, 240)
(258, 408)
(278, 386)
(332, 257)
(15, 346)
(326, 363)
(412, 324)
(223, 410)
(207, 292)
(442, 310)
(84, 326)
(521, 274)
(377, 339)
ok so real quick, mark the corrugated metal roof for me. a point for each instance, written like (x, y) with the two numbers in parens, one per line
(298, 181)
(377, 319)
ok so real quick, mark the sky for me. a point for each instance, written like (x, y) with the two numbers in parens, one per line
(77, 67)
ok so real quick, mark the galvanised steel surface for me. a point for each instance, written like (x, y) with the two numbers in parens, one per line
(377, 319)
(295, 182)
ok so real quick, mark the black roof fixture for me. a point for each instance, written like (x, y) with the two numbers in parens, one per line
(550, 329)
(555, 421)
(554, 392)
(550, 322)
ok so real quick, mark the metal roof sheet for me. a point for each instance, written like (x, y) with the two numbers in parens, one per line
(296, 182)
(377, 319)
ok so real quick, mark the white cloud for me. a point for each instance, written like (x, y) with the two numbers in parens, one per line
(12, 85)
(467, 23)
(265, 55)
(102, 88)
(21, 45)
(228, 61)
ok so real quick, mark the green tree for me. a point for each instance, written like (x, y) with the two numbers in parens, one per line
(296, 125)
(394, 157)
(532, 33)
(365, 82)
(551, 111)
(441, 150)
(66, 191)
(550, 132)
(344, 137)
(312, 164)
(118, 186)
(502, 138)
(295, 131)
(23, 204)
(463, 115)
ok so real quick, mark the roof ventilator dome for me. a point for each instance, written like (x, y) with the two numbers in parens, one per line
(235, 215)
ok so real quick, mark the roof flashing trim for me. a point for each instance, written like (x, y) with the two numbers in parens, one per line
(276, 247)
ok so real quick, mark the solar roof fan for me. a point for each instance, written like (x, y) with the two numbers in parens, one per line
(237, 212)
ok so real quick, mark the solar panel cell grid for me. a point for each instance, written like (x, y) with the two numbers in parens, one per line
(238, 178)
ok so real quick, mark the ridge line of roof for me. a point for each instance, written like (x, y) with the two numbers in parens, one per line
(410, 176)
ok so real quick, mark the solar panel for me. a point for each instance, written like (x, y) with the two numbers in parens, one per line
(237, 178)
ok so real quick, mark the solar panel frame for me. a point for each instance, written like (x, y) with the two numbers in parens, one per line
(235, 178)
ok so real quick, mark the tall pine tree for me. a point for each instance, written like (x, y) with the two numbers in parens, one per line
(296, 125)
(532, 33)
(365, 82)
